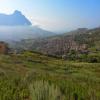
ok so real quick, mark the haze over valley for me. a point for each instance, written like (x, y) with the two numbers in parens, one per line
(16, 27)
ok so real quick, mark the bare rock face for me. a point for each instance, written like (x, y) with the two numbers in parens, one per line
(17, 18)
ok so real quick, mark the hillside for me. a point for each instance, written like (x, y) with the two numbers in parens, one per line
(32, 76)
(82, 41)
(91, 37)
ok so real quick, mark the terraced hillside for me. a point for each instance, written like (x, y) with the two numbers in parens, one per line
(32, 76)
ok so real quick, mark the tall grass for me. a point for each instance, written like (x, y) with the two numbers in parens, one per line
(22, 78)
(43, 90)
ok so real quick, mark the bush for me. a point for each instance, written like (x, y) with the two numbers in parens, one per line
(93, 58)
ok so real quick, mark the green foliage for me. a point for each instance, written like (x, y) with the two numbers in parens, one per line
(93, 58)
(72, 55)
(12, 89)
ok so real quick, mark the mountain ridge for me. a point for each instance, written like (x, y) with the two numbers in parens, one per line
(14, 19)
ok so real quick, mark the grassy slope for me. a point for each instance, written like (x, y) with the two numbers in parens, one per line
(19, 72)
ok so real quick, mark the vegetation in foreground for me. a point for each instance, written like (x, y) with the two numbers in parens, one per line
(32, 76)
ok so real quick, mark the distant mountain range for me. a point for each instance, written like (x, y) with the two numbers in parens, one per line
(16, 26)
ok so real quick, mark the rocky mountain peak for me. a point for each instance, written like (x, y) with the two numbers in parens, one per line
(15, 19)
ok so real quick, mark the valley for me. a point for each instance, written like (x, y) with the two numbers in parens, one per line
(82, 45)
(49, 50)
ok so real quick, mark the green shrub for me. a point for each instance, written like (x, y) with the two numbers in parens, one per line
(93, 58)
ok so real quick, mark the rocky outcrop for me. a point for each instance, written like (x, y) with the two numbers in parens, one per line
(61, 46)
(3, 48)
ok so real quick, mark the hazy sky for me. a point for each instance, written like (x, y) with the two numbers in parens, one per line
(56, 15)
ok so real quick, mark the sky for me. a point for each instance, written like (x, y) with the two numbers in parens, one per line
(56, 15)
